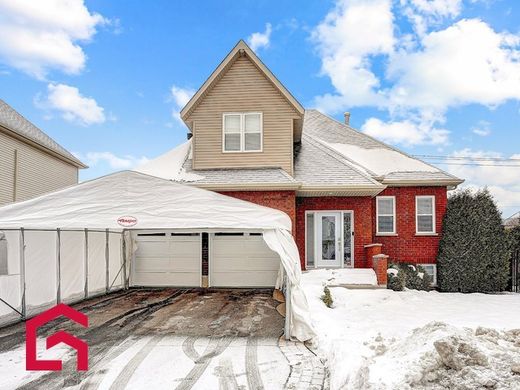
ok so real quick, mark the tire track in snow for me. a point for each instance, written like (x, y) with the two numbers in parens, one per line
(202, 363)
(227, 378)
(188, 346)
(254, 380)
(124, 376)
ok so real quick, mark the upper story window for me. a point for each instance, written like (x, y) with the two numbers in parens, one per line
(242, 132)
(425, 214)
(385, 214)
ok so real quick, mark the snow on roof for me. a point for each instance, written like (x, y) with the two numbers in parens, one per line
(381, 161)
(170, 165)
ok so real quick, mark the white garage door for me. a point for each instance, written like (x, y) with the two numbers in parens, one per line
(167, 259)
(242, 260)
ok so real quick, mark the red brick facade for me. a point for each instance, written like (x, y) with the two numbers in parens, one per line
(280, 200)
(405, 246)
(363, 221)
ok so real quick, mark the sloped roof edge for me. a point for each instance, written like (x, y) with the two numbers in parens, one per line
(240, 46)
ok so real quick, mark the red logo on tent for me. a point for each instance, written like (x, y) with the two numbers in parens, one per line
(31, 327)
(127, 221)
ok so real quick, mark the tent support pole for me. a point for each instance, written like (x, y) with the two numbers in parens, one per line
(124, 260)
(58, 266)
(288, 309)
(22, 272)
(86, 263)
(107, 261)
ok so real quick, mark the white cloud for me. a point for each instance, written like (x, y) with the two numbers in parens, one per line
(425, 13)
(423, 74)
(259, 40)
(114, 162)
(406, 132)
(36, 36)
(180, 97)
(465, 63)
(349, 36)
(72, 106)
(502, 181)
(482, 129)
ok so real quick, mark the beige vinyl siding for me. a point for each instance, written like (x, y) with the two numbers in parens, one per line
(37, 171)
(243, 88)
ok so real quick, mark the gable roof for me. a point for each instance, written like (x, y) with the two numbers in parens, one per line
(380, 161)
(319, 168)
(241, 48)
(11, 120)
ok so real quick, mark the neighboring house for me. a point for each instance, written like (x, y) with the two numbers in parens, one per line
(344, 191)
(512, 221)
(31, 163)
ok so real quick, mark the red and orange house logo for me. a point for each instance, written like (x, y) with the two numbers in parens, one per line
(32, 362)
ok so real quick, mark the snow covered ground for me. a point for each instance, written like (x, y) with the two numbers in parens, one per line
(381, 339)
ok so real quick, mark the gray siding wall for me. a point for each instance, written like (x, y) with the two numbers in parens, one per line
(37, 171)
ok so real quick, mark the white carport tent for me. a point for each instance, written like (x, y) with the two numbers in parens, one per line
(52, 230)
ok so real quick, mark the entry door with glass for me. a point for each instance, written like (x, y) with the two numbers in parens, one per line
(328, 239)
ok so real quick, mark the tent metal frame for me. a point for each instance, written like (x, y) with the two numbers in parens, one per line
(123, 268)
(108, 288)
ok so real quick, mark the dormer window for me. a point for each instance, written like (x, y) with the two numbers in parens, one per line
(242, 132)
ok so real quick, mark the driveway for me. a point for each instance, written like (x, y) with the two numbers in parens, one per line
(170, 338)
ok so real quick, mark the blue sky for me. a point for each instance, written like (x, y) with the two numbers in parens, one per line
(433, 77)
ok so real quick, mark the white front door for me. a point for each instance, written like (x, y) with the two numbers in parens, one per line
(328, 239)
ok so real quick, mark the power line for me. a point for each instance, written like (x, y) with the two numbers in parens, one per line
(427, 156)
(479, 164)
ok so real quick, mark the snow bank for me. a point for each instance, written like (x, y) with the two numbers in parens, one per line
(169, 165)
(441, 356)
(382, 161)
(369, 341)
(337, 277)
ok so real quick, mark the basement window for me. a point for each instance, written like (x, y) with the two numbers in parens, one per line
(425, 214)
(242, 132)
(431, 269)
(3, 254)
(228, 234)
(385, 214)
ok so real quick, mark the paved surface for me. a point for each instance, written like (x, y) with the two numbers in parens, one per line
(170, 338)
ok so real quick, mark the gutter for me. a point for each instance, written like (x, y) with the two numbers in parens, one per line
(13, 133)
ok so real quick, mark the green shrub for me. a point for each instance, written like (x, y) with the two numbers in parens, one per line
(396, 280)
(405, 275)
(327, 297)
(474, 250)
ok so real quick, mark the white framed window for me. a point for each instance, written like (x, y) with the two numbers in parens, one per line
(242, 132)
(385, 215)
(425, 214)
(431, 269)
(3, 255)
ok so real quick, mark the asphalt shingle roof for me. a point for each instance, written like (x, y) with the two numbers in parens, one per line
(15, 122)
(240, 176)
(324, 128)
(316, 164)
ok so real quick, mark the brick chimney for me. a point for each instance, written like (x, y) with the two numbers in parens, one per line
(347, 117)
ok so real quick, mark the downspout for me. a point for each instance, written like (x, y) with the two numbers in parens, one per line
(15, 175)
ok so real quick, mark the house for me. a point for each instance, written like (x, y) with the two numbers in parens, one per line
(512, 221)
(31, 163)
(349, 196)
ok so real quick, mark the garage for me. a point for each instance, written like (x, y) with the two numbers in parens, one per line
(242, 260)
(166, 258)
(130, 229)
